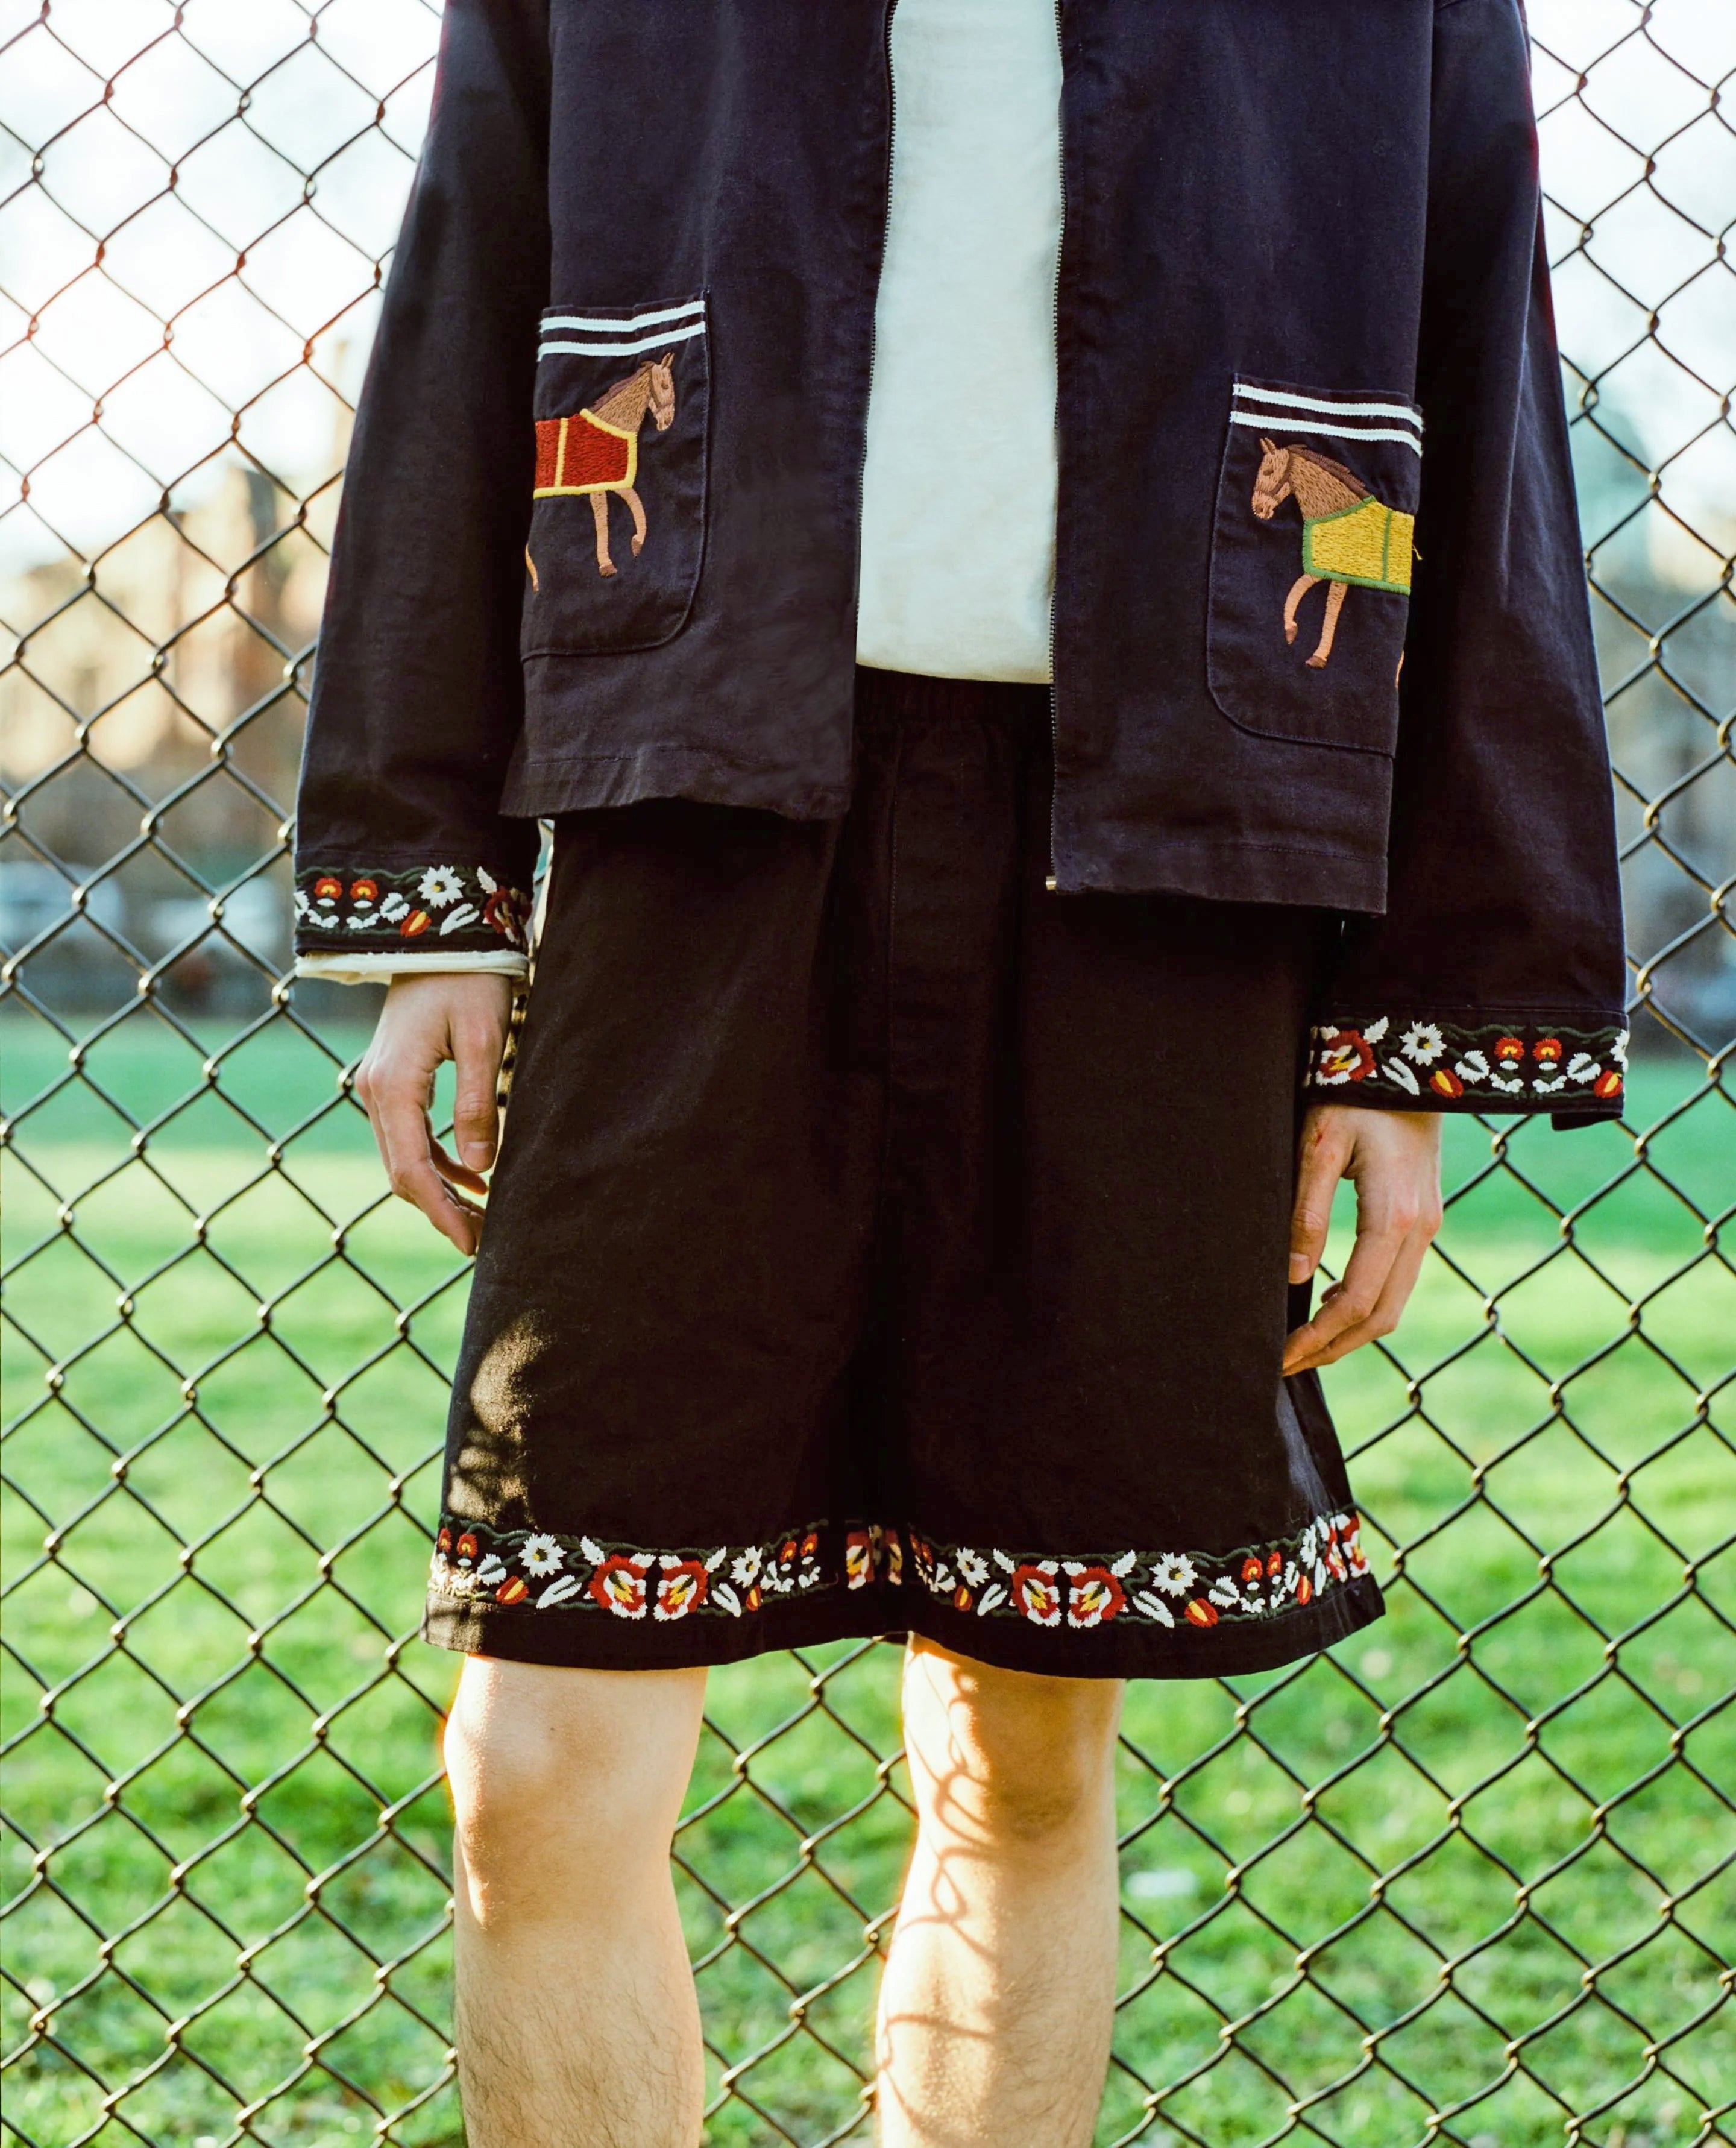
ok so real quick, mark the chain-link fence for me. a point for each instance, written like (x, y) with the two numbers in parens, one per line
(1469, 1879)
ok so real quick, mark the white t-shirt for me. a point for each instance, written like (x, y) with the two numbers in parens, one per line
(958, 491)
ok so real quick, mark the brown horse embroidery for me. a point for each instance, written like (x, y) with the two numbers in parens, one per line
(1348, 535)
(596, 450)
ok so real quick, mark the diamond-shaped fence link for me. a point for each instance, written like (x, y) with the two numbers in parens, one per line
(1471, 1877)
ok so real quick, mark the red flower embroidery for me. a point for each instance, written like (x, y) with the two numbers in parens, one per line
(503, 913)
(1037, 1591)
(327, 888)
(1446, 1083)
(415, 924)
(1509, 1051)
(1095, 1596)
(619, 1585)
(786, 1556)
(1200, 1612)
(810, 1544)
(1348, 1057)
(1252, 1569)
(1274, 1563)
(467, 1546)
(1304, 1590)
(513, 1590)
(1608, 1084)
(1548, 1049)
(858, 1559)
(961, 1598)
(680, 1586)
(443, 1541)
(364, 890)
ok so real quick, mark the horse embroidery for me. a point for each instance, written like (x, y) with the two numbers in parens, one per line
(595, 451)
(1348, 535)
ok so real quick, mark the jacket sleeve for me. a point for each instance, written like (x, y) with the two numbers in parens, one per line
(404, 859)
(1494, 979)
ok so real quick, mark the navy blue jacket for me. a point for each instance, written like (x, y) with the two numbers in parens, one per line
(1307, 376)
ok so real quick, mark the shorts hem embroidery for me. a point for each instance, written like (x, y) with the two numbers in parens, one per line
(531, 1572)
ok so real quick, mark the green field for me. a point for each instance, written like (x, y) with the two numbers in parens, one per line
(1477, 1863)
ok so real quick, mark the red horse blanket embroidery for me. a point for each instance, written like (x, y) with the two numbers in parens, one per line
(583, 453)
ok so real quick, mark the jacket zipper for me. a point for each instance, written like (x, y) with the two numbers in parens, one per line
(884, 235)
(1051, 883)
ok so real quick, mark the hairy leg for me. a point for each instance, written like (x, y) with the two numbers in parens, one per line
(577, 2023)
(997, 2002)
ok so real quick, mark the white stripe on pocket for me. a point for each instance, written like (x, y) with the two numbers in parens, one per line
(1271, 420)
(663, 337)
(623, 323)
(1282, 397)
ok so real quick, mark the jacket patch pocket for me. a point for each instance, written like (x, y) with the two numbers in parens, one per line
(1312, 550)
(618, 526)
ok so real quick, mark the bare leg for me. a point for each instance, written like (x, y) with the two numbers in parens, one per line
(637, 511)
(600, 511)
(997, 2002)
(1298, 590)
(1334, 605)
(578, 2026)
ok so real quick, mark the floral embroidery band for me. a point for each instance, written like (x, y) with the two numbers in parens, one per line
(457, 909)
(533, 1571)
(1445, 1063)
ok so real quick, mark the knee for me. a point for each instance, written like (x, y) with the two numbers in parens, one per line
(561, 1778)
(1007, 1755)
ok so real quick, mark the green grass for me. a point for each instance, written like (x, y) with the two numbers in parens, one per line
(243, 1907)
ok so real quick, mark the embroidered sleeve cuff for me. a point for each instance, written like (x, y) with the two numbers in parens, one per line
(407, 916)
(1424, 1063)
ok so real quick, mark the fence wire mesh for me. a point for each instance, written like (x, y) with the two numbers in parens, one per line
(1467, 1880)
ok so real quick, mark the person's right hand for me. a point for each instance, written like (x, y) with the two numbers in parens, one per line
(457, 1015)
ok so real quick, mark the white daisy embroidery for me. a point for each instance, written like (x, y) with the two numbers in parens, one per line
(1423, 1042)
(440, 885)
(974, 1567)
(1174, 1573)
(541, 1554)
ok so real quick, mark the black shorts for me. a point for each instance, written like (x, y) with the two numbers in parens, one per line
(879, 1242)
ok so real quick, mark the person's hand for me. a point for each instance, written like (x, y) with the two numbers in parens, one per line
(457, 1015)
(1393, 1158)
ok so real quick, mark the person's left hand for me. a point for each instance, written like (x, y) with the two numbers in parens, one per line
(1393, 1158)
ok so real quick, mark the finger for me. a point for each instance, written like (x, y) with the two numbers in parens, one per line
(407, 1144)
(1351, 1301)
(1324, 1153)
(1389, 1307)
(454, 1173)
(477, 1047)
(366, 1086)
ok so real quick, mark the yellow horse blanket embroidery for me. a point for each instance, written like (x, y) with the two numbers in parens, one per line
(1369, 544)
